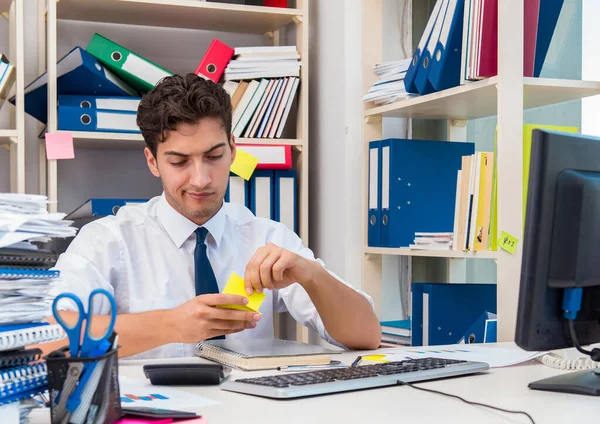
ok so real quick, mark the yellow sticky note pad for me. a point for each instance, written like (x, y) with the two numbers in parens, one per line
(375, 358)
(508, 242)
(235, 285)
(244, 164)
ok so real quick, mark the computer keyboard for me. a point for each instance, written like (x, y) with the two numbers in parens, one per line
(294, 385)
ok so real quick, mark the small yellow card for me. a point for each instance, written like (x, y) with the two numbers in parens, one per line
(244, 164)
(235, 285)
(508, 242)
(376, 358)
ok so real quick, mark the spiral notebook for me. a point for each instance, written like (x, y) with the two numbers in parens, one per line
(27, 258)
(7, 273)
(262, 354)
(14, 337)
(22, 382)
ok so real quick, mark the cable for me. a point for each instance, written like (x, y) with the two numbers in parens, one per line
(594, 353)
(403, 383)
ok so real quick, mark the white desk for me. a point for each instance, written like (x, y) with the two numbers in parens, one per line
(502, 387)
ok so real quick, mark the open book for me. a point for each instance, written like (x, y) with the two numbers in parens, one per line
(262, 354)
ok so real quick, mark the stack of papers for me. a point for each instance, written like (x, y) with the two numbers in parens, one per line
(263, 62)
(432, 241)
(24, 218)
(26, 299)
(390, 84)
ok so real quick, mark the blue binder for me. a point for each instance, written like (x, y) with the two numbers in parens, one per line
(445, 66)
(422, 79)
(261, 194)
(285, 199)
(238, 191)
(97, 120)
(102, 207)
(78, 73)
(483, 330)
(442, 313)
(100, 102)
(547, 19)
(411, 73)
(421, 187)
(374, 206)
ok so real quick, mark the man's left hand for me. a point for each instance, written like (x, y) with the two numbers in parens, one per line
(273, 267)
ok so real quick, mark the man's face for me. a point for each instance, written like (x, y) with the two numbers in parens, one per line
(193, 165)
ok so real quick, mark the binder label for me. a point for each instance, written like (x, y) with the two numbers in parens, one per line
(144, 70)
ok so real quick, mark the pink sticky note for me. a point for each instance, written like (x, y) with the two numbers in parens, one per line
(59, 145)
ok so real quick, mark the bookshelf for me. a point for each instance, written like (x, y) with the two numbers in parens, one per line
(184, 14)
(13, 139)
(506, 95)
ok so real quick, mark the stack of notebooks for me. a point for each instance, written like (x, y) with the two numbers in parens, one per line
(395, 333)
(460, 43)
(262, 354)
(25, 300)
(390, 83)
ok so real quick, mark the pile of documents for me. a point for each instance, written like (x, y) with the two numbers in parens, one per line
(263, 62)
(432, 241)
(7, 76)
(390, 84)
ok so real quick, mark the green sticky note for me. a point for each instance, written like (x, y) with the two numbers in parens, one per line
(508, 242)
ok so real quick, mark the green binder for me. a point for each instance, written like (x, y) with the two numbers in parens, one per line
(140, 73)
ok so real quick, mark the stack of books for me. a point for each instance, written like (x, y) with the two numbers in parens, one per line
(395, 333)
(390, 84)
(26, 280)
(7, 76)
(432, 241)
(263, 62)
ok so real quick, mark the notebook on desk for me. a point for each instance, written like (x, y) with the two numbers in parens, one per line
(262, 354)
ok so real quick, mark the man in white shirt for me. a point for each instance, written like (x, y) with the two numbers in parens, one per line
(167, 260)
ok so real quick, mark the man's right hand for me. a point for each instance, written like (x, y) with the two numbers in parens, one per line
(199, 319)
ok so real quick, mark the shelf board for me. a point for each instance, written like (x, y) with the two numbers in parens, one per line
(7, 137)
(485, 254)
(191, 14)
(124, 141)
(479, 99)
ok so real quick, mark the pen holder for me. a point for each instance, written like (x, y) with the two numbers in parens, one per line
(84, 390)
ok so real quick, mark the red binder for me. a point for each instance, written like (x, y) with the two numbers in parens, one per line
(275, 3)
(488, 48)
(270, 156)
(530, 20)
(215, 61)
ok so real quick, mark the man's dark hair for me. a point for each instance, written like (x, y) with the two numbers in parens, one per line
(181, 99)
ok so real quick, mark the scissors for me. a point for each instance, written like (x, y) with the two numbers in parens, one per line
(90, 345)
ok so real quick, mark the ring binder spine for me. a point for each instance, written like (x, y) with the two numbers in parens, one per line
(14, 381)
(17, 273)
(19, 358)
(26, 336)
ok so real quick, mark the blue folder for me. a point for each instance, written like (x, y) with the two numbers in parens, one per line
(261, 194)
(101, 207)
(547, 19)
(285, 199)
(89, 101)
(374, 205)
(415, 64)
(72, 118)
(77, 73)
(238, 190)
(442, 313)
(483, 330)
(421, 187)
(422, 79)
(446, 63)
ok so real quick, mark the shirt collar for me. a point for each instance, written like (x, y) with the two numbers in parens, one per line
(180, 228)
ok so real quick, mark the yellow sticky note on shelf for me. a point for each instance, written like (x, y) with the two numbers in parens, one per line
(508, 242)
(244, 164)
(235, 285)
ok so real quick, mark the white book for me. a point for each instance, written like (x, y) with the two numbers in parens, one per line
(288, 106)
(251, 108)
(275, 73)
(241, 107)
(281, 107)
(230, 87)
(260, 110)
(268, 58)
(456, 210)
(476, 183)
(265, 50)
(275, 108)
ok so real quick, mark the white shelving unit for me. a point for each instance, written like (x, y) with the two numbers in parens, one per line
(506, 96)
(184, 14)
(13, 139)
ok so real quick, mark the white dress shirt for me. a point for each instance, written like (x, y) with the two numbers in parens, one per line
(144, 256)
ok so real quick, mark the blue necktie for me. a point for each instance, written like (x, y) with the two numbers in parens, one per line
(204, 275)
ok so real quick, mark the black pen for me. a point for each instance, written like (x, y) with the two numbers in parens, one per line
(356, 361)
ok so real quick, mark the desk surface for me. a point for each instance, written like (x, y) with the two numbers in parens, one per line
(501, 387)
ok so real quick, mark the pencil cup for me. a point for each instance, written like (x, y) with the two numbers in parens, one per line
(84, 390)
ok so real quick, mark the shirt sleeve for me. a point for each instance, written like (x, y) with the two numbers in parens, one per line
(91, 261)
(295, 300)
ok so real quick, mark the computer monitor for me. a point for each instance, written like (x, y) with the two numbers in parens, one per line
(561, 253)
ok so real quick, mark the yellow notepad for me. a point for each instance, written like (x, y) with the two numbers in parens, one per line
(235, 285)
